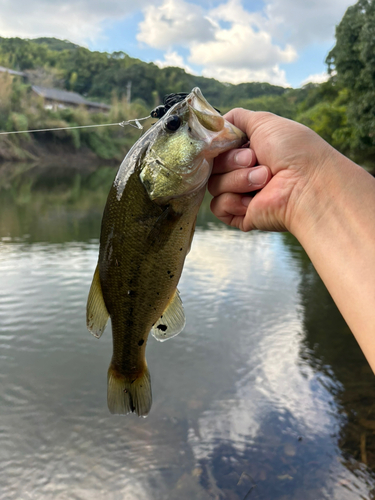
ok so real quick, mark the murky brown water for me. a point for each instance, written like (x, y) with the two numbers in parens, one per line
(264, 395)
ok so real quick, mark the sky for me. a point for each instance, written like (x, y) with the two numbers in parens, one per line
(283, 42)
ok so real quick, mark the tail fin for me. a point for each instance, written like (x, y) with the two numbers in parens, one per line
(125, 395)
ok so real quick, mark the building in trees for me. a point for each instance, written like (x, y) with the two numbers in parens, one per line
(60, 99)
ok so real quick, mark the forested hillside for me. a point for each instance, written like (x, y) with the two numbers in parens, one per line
(341, 110)
(100, 75)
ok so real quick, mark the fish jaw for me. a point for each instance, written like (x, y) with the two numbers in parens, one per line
(197, 100)
(228, 138)
(219, 134)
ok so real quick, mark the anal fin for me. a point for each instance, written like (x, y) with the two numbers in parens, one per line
(96, 310)
(172, 321)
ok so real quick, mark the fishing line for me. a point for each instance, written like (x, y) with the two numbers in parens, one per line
(168, 101)
(136, 124)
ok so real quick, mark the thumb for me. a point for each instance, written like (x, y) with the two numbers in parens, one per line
(246, 120)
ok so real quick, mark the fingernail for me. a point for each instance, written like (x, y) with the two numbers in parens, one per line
(243, 158)
(245, 200)
(258, 176)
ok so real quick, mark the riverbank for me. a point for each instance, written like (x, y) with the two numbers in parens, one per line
(52, 152)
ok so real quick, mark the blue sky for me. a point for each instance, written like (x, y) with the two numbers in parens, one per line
(284, 42)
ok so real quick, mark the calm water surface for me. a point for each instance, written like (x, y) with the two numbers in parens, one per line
(264, 395)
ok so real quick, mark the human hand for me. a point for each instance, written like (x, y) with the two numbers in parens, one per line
(289, 156)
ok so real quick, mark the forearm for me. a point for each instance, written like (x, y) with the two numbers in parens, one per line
(336, 226)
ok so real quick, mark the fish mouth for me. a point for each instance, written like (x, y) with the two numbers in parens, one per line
(197, 100)
(209, 123)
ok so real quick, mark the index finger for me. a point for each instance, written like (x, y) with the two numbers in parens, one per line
(234, 159)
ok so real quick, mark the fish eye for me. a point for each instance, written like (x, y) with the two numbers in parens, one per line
(173, 123)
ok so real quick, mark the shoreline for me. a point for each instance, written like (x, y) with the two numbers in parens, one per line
(32, 151)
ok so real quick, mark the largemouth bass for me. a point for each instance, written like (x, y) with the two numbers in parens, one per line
(147, 228)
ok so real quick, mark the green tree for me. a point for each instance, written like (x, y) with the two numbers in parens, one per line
(352, 61)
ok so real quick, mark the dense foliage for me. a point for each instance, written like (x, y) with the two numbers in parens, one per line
(99, 75)
(352, 60)
(341, 110)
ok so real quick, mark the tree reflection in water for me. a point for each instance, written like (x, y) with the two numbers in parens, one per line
(330, 348)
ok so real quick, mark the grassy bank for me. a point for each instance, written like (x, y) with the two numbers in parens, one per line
(21, 109)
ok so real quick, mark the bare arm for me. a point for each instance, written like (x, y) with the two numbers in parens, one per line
(323, 198)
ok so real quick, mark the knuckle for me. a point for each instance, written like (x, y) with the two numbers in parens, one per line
(239, 181)
(220, 205)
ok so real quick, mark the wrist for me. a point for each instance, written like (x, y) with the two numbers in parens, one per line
(319, 196)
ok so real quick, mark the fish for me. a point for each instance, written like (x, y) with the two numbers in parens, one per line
(147, 229)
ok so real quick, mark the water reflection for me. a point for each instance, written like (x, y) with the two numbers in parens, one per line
(330, 348)
(265, 395)
(56, 204)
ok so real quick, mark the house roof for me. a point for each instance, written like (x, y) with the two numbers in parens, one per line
(11, 71)
(67, 97)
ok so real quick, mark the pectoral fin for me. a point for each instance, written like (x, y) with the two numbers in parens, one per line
(172, 321)
(96, 311)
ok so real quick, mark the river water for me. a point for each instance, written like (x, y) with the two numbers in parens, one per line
(264, 395)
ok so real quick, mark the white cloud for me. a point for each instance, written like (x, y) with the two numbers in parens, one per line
(241, 47)
(242, 52)
(175, 22)
(172, 58)
(317, 78)
(233, 12)
(301, 23)
(273, 75)
(235, 45)
(77, 21)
